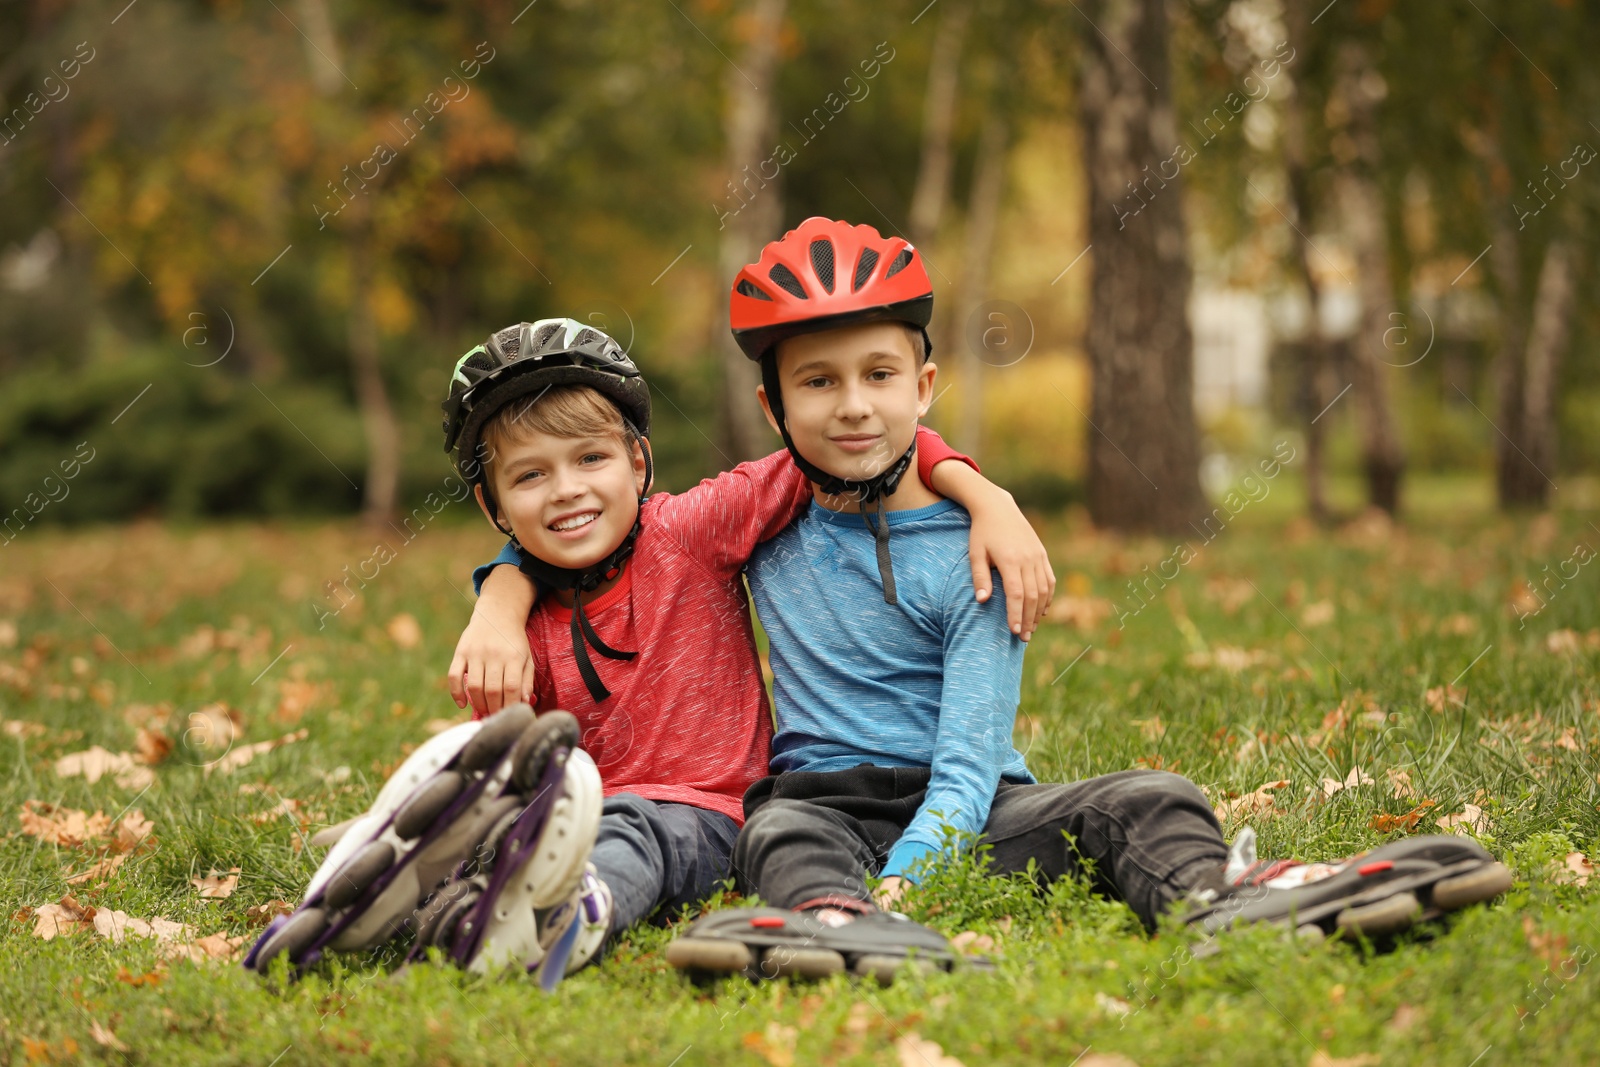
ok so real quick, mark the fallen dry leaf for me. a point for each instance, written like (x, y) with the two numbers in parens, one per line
(1441, 696)
(439, 726)
(916, 1051)
(1356, 777)
(1469, 820)
(1575, 870)
(151, 746)
(262, 914)
(1112, 1005)
(1405, 1017)
(103, 1036)
(213, 728)
(1259, 802)
(237, 758)
(102, 869)
(1385, 823)
(1399, 783)
(96, 762)
(20, 729)
(119, 925)
(62, 919)
(67, 827)
(404, 631)
(1568, 739)
(1151, 729)
(297, 696)
(775, 1044)
(1552, 948)
(971, 942)
(1320, 1058)
(1227, 657)
(216, 886)
(1318, 614)
(1081, 612)
(217, 946)
(1564, 642)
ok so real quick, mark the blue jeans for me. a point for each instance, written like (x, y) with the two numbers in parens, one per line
(659, 855)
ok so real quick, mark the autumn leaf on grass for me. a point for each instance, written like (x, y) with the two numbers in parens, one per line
(62, 919)
(1151, 729)
(1552, 948)
(404, 631)
(66, 827)
(1258, 803)
(1399, 783)
(1320, 1058)
(217, 946)
(212, 729)
(297, 696)
(103, 1036)
(1385, 823)
(775, 1044)
(216, 886)
(1574, 870)
(243, 755)
(1469, 820)
(100, 870)
(1356, 777)
(96, 762)
(22, 730)
(262, 914)
(1080, 612)
(151, 747)
(917, 1051)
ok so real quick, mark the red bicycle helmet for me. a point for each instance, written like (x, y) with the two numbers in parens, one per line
(824, 274)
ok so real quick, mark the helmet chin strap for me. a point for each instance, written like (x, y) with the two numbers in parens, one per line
(581, 580)
(866, 490)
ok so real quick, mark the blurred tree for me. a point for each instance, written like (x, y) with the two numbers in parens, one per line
(1144, 449)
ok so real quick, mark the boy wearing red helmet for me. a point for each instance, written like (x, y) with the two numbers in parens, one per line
(895, 697)
(644, 633)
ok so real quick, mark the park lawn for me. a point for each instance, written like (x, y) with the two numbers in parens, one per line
(1278, 653)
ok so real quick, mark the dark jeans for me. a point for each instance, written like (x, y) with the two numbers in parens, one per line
(654, 854)
(1151, 834)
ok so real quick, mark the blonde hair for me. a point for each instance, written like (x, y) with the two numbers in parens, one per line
(571, 411)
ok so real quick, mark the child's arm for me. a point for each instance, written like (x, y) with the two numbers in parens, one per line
(1003, 540)
(493, 665)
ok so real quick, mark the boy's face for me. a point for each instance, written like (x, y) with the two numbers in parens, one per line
(569, 500)
(852, 396)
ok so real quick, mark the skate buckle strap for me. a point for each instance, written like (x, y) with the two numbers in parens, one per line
(520, 842)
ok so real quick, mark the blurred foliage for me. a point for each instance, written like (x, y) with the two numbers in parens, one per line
(203, 180)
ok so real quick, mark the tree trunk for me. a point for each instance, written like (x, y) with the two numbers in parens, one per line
(1382, 454)
(932, 191)
(322, 47)
(750, 215)
(1315, 371)
(377, 416)
(1143, 444)
(1528, 482)
(983, 218)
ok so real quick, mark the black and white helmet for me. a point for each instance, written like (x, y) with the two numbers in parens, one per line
(529, 357)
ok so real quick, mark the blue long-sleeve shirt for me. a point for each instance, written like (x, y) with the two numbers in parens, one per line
(932, 681)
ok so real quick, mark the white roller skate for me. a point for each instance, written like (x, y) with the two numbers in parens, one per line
(512, 905)
(429, 819)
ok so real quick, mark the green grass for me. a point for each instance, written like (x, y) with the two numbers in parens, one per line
(102, 617)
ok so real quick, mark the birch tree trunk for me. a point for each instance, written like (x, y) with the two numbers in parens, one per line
(1143, 444)
(755, 211)
(983, 219)
(377, 415)
(1529, 481)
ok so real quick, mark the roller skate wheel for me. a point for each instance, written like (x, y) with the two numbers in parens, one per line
(430, 800)
(708, 954)
(1473, 887)
(364, 868)
(1385, 916)
(500, 731)
(783, 962)
(293, 937)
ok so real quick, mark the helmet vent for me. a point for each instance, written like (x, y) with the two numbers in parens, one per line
(785, 279)
(541, 339)
(900, 263)
(869, 259)
(747, 289)
(822, 262)
(588, 337)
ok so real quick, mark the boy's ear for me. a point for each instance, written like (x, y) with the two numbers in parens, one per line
(766, 408)
(925, 387)
(477, 491)
(641, 469)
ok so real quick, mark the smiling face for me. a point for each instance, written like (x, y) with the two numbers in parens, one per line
(571, 500)
(852, 396)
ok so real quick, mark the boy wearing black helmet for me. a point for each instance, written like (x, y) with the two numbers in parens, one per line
(644, 630)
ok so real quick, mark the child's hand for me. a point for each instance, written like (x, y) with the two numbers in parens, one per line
(1002, 539)
(493, 665)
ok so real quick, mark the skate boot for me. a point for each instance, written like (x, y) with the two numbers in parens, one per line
(429, 818)
(773, 943)
(523, 898)
(1375, 894)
